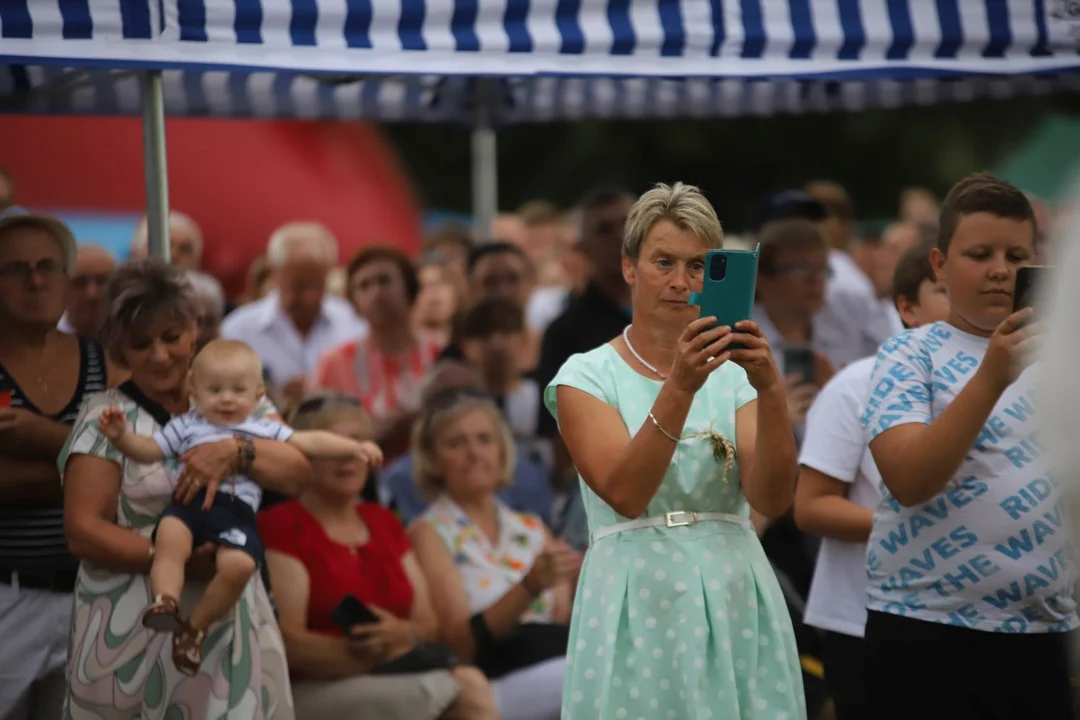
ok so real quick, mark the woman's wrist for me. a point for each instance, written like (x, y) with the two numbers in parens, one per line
(529, 588)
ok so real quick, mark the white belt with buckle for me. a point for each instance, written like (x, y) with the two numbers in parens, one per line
(681, 518)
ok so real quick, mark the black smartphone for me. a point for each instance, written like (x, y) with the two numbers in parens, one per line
(799, 361)
(1027, 283)
(350, 612)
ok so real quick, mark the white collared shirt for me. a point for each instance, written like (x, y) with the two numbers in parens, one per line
(284, 352)
(853, 320)
(65, 326)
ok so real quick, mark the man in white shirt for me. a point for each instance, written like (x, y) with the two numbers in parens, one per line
(850, 316)
(297, 322)
(839, 488)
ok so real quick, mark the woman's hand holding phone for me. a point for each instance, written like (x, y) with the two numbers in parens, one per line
(702, 348)
(389, 638)
(754, 356)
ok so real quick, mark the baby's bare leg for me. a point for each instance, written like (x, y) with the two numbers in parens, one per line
(234, 570)
(172, 549)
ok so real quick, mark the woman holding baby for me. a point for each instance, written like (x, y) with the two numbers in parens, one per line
(117, 667)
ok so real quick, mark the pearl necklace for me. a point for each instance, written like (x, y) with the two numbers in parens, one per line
(630, 347)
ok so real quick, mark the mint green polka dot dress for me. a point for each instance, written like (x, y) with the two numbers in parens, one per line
(684, 623)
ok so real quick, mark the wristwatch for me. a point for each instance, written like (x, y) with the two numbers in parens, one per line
(245, 455)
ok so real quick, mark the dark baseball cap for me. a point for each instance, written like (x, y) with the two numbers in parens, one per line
(787, 205)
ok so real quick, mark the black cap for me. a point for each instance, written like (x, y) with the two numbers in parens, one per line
(787, 205)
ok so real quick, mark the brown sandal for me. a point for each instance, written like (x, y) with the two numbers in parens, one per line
(187, 650)
(164, 615)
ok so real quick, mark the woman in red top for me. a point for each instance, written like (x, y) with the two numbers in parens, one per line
(325, 545)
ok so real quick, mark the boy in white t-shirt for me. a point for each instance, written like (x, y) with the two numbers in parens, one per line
(226, 388)
(970, 560)
(839, 488)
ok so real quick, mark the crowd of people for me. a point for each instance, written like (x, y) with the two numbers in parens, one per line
(519, 477)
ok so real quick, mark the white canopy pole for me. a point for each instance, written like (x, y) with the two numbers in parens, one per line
(485, 161)
(154, 162)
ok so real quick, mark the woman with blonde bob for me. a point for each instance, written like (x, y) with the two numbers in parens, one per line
(328, 544)
(678, 609)
(502, 582)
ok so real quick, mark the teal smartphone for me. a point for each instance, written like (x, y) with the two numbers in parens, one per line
(727, 291)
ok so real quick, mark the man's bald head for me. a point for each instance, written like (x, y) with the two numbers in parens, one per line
(94, 265)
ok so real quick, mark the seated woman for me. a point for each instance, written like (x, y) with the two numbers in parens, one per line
(528, 491)
(503, 583)
(326, 545)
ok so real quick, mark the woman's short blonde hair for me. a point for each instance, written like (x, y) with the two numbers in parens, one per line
(680, 204)
(442, 408)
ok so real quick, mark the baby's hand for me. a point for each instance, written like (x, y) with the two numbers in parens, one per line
(112, 423)
(369, 453)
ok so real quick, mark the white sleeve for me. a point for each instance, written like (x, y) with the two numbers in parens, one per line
(835, 439)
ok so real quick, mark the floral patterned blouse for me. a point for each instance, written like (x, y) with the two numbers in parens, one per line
(119, 670)
(489, 571)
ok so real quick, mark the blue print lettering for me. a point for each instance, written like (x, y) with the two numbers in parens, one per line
(923, 566)
(959, 365)
(932, 512)
(1028, 498)
(992, 433)
(1024, 408)
(1029, 539)
(966, 575)
(1019, 590)
(1025, 452)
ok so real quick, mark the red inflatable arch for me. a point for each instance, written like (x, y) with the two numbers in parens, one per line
(238, 179)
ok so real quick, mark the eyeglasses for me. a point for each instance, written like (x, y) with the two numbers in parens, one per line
(21, 271)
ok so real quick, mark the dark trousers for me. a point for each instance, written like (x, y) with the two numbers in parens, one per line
(924, 670)
(845, 674)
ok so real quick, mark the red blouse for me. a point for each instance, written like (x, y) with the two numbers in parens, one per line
(373, 572)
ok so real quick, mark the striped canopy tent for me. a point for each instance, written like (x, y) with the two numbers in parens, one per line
(492, 62)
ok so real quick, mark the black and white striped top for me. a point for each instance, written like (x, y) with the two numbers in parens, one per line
(32, 533)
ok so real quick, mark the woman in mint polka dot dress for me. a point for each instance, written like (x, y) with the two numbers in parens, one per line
(678, 613)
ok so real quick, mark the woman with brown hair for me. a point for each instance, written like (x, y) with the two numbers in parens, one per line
(383, 369)
(120, 669)
(327, 545)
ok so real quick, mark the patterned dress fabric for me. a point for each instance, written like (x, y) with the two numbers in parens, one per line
(489, 570)
(682, 623)
(118, 669)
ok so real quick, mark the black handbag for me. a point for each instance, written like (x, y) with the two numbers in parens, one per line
(527, 645)
(424, 657)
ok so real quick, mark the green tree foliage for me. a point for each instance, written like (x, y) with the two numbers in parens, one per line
(874, 154)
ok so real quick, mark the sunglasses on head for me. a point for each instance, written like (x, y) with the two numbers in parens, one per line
(315, 404)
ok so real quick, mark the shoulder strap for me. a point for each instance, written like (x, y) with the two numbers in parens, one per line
(156, 410)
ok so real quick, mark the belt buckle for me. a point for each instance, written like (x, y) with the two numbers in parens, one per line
(680, 518)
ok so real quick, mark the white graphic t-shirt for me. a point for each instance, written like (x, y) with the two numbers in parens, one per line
(991, 551)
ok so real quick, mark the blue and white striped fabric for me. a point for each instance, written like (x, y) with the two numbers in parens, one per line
(554, 59)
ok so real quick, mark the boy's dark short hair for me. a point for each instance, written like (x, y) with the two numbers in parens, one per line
(377, 253)
(912, 270)
(780, 235)
(488, 317)
(982, 193)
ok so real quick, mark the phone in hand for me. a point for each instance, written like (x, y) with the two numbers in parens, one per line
(350, 612)
(1027, 285)
(799, 361)
(5, 399)
(727, 290)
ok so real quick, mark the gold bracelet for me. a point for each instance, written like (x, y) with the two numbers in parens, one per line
(660, 427)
